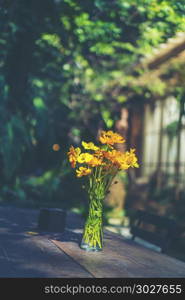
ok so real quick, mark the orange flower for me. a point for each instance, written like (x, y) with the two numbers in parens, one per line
(114, 156)
(110, 138)
(83, 172)
(110, 159)
(73, 155)
(100, 153)
(129, 160)
(122, 161)
(95, 162)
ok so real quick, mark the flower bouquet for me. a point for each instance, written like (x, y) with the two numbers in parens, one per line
(100, 163)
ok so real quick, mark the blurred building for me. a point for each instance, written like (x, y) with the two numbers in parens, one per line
(157, 124)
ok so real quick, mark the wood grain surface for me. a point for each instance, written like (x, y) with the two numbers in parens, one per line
(123, 258)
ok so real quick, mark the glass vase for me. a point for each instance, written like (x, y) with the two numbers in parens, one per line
(92, 239)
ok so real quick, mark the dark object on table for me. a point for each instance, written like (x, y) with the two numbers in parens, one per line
(155, 229)
(52, 219)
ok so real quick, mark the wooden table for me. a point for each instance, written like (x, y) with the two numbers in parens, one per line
(120, 258)
(26, 252)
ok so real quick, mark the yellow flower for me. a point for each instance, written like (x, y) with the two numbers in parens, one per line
(114, 156)
(85, 158)
(110, 138)
(122, 161)
(128, 160)
(73, 155)
(99, 153)
(83, 172)
(89, 146)
(94, 162)
(131, 159)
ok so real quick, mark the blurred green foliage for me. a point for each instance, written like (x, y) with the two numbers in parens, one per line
(65, 71)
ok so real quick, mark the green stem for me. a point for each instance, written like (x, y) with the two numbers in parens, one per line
(93, 233)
